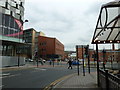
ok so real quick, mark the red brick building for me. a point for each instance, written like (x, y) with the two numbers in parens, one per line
(79, 51)
(50, 48)
(109, 55)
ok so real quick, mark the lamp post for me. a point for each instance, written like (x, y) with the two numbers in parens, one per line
(19, 51)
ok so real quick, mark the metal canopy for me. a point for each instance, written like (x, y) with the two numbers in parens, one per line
(108, 25)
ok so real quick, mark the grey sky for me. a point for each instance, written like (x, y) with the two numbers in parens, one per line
(70, 21)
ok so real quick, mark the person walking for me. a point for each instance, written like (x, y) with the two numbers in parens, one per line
(50, 61)
(70, 64)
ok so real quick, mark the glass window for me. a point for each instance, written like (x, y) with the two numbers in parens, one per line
(12, 22)
(5, 31)
(6, 20)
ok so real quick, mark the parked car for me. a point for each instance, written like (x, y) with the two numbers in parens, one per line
(75, 63)
(44, 60)
(30, 60)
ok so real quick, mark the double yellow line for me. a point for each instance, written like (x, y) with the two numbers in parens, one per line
(50, 86)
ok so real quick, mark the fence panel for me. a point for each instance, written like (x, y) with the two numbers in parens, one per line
(112, 81)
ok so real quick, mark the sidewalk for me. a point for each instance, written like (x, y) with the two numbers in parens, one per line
(89, 81)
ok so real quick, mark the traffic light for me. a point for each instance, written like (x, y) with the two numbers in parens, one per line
(86, 50)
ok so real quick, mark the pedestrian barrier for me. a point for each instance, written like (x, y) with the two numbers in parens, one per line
(108, 81)
(8, 61)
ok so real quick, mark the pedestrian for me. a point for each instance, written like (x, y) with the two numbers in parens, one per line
(70, 64)
(50, 61)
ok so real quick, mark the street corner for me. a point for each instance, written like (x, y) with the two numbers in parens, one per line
(55, 83)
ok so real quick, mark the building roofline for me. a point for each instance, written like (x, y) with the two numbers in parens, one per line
(52, 38)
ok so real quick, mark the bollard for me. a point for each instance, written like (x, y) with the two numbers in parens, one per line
(78, 67)
(107, 81)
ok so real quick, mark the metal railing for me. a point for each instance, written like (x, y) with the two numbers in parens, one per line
(108, 81)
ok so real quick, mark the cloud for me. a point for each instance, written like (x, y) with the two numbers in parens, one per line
(70, 21)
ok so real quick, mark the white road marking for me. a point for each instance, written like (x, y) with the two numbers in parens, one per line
(43, 69)
(10, 76)
(4, 74)
(38, 69)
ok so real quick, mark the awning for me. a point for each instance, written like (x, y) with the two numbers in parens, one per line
(108, 25)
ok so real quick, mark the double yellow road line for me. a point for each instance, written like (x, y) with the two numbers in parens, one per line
(50, 86)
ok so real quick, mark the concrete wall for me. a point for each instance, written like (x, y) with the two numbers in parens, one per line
(11, 61)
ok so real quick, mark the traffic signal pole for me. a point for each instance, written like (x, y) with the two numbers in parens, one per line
(88, 59)
(97, 56)
(78, 62)
(83, 62)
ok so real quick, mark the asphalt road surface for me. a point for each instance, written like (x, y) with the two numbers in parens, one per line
(34, 77)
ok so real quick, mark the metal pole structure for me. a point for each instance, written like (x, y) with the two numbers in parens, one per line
(78, 67)
(18, 58)
(97, 56)
(103, 59)
(83, 62)
(53, 62)
(77, 60)
(88, 59)
(19, 51)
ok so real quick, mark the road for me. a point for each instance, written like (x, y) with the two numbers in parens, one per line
(35, 77)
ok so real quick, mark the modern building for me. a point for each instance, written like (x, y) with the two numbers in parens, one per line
(11, 27)
(50, 48)
(30, 36)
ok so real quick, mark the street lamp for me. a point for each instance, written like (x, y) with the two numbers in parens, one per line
(19, 51)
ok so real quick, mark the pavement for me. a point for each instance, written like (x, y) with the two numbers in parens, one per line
(75, 81)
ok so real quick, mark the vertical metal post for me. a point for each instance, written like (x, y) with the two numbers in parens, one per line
(18, 59)
(97, 56)
(106, 77)
(88, 60)
(78, 67)
(19, 52)
(77, 60)
(83, 62)
(104, 59)
(53, 62)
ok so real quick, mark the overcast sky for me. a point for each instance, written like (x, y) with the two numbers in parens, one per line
(70, 21)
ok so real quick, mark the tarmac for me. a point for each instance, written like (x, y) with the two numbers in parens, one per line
(73, 81)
